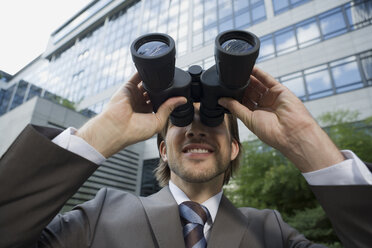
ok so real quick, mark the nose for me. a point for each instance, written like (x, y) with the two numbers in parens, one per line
(196, 129)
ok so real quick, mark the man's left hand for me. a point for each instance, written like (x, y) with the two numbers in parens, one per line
(277, 117)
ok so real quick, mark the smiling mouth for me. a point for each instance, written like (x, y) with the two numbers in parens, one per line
(197, 150)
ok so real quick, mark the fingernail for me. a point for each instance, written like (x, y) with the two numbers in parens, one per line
(221, 101)
(184, 100)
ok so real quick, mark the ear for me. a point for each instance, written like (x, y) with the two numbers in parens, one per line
(163, 151)
(234, 149)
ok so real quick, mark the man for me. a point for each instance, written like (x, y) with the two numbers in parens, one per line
(36, 181)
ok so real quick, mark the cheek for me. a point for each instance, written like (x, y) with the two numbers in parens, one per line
(173, 142)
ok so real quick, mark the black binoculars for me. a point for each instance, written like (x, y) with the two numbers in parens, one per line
(236, 52)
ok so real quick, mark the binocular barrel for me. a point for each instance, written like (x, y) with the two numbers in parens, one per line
(154, 57)
(236, 52)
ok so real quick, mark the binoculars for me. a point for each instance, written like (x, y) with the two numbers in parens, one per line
(236, 52)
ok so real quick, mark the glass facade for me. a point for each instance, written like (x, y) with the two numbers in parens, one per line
(335, 22)
(19, 95)
(101, 59)
(23, 91)
(5, 97)
(281, 6)
(335, 77)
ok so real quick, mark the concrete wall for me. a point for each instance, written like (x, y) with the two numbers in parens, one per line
(13, 122)
(36, 111)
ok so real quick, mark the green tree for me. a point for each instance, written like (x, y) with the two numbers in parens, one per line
(267, 179)
(348, 133)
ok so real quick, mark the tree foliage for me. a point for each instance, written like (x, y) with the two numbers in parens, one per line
(267, 179)
(347, 133)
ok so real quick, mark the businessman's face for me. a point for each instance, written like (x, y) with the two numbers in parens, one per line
(197, 153)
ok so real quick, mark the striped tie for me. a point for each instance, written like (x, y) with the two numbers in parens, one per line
(193, 217)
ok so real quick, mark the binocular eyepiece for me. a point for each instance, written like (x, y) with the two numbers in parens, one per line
(235, 55)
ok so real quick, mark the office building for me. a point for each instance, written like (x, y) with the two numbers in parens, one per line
(321, 50)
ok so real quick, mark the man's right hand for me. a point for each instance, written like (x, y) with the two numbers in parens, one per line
(127, 119)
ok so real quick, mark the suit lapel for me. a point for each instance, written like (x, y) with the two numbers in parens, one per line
(229, 226)
(163, 215)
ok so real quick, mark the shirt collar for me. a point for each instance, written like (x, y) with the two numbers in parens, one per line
(211, 204)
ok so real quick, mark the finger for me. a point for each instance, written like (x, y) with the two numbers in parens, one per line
(256, 85)
(135, 79)
(254, 95)
(237, 109)
(146, 96)
(265, 78)
(140, 87)
(270, 98)
(166, 109)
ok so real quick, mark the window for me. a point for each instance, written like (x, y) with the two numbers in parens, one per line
(346, 73)
(359, 15)
(184, 6)
(284, 5)
(307, 33)
(240, 4)
(173, 23)
(198, 8)
(280, 5)
(34, 91)
(267, 48)
(332, 23)
(242, 20)
(210, 34)
(285, 41)
(19, 95)
(184, 18)
(295, 83)
(258, 13)
(225, 9)
(197, 40)
(182, 47)
(318, 82)
(182, 31)
(209, 6)
(198, 24)
(7, 95)
(210, 18)
(227, 25)
(367, 66)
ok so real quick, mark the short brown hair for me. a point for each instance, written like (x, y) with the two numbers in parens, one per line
(162, 172)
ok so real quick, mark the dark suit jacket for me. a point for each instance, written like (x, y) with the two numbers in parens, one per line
(37, 177)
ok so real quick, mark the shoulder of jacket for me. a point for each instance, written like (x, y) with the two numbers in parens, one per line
(258, 213)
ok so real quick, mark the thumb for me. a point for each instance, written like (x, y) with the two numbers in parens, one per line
(237, 109)
(166, 109)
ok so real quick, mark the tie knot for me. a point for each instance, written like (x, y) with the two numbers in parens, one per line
(193, 212)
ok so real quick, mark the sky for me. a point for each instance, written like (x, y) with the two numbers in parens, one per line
(25, 27)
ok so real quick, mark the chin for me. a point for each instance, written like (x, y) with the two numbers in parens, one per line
(199, 177)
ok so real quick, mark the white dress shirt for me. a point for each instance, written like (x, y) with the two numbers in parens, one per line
(211, 204)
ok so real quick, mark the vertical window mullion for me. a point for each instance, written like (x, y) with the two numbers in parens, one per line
(361, 70)
(305, 85)
(333, 83)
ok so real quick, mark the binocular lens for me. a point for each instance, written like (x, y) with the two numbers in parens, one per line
(153, 48)
(236, 46)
